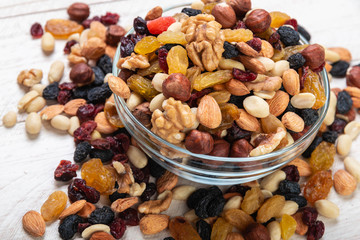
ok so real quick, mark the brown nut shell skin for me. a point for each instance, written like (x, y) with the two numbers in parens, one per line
(224, 14)
(78, 11)
(178, 86)
(81, 73)
(241, 7)
(221, 148)
(314, 56)
(240, 148)
(199, 142)
(258, 21)
(353, 77)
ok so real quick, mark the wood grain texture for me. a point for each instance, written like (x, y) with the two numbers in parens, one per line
(28, 163)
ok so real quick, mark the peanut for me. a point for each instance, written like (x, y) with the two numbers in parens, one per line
(56, 71)
(271, 182)
(327, 209)
(344, 143)
(9, 119)
(47, 42)
(137, 157)
(33, 123)
(60, 122)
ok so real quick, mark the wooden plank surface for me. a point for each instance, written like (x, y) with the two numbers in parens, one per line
(26, 173)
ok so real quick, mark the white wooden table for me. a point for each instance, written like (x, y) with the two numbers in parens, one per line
(28, 163)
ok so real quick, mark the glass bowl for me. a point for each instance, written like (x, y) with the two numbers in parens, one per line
(209, 169)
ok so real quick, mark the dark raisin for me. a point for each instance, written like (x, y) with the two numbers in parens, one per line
(122, 143)
(102, 215)
(216, 206)
(238, 189)
(126, 47)
(292, 173)
(162, 54)
(99, 94)
(330, 136)
(51, 91)
(140, 26)
(168, 46)
(289, 187)
(105, 64)
(292, 22)
(80, 92)
(202, 206)
(100, 143)
(36, 30)
(191, 12)
(116, 195)
(230, 51)
(117, 228)
(309, 215)
(204, 229)
(69, 226)
(193, 100)
(339, 68)
(99, 76)
(83, 226)
(65, 171)
(300, 200)
(149, 191)
(235, 133)
(86, 23)
(130, 217)
(195, 197)
(109, 18)
(316, 231)
(344, 102)
(104, 155)
(78, 190)
(208, 203)
(68, 45)
(338, 125)
(317, 140)
(141, 175)
(155, 169)
(244, 76)
(288, 36)
(310, 116)
(215, 191)
(296, 61)
(304, 33)
(64, 96)
(255, 43)
(86, 112)
(82, 150)
(169, 238)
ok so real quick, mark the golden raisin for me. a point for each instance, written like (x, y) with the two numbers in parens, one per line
(221, 229)
(142, 86)
(172, 37)
(312, 85)
(318, 186)
(221, 96)
(278, 19)
(290, 50)
(210, 79)
(154, 68)
(238, 218)
(322, 158)
(288, 226)
(182, 229)
(209, 7)
(270, 208)
(62, 28)
(54, 205)
(252, 200)
(177, 60)
(147, 45)
(111, 114)
(238, 35)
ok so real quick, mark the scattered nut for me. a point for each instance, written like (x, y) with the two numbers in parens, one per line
(94, 228)
(113, 35)
(137, 157)
(78, 11)
(166, 182)
(327, 209)
(122, 204)
(274, 230)
(72, 209)
(153, 223)
(344, 53)
(47, 42)
(343, 145)
(56, 71)
(199, 142)
(93, 48)
(72, 106)
(9, 119)
(87, 209)
(137, 189)
(272, 181)
(289, 208)
(314, 55)
(39, 88)
(51, 111)
(81, 74)
(26, 99)
(241, 7)
(156, 206)
(34, 223)
(143, 114)
(35, 105)
(344, 183)
(60, 122)
(224, 14)
(101, 236)
(33, 123)
(154, 13)
(103, 125)
(353, 76)
(30, 77)
(177, 86)
(301, 227)
(258, 20)
(256, 231)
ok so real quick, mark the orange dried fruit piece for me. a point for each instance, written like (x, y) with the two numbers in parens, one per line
(177, 60)
(313, 85)
(220, 229)
(318, 186)
(98, 176)
(182, 229)
(53, 206)
(278, 19)
(238, 35)
(142, 86)
(172, 37)
(210, 79)
(62, 28)
(111, 114)
(147, 45)
(288, 226)
(270, 208)
(322, 158)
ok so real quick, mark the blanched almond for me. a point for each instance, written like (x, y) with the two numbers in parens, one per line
(208, 112)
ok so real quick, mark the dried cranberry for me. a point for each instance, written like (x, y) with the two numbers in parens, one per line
(83, 133)
(292, 173)
(292, 22)
(305, 72)
(162, 54)
(316, 231)
(36, 30)
(99, 108)
(65, 171)
(67, 86)
(109, 18)
(338, 125)
(238, 189)
(149, 191)
(141, 175)
(86, 23)
(298, 135)
(100, 143)
(255, 43)
(123, 158)
(86, 112)
(117, 228)
(274, 40)
(64, 96)
(239, 24)
(78, 190)
(130, 217)
(243, 76)
(235, 133)
(68, 45)
(192, 102)
(309, 215)
(122, 143)
(83, 226)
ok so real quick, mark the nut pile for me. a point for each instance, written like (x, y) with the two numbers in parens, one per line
(218, 79)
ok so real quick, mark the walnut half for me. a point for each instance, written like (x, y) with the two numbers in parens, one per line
(133, 62)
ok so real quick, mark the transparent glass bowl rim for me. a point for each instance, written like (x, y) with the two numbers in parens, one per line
(278, 153)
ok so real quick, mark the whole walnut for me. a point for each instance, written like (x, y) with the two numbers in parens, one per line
(256, 231)
(199, 142)
(178, 86)
(221, 148)
(240, 148)
(143, 114)
(81, 74)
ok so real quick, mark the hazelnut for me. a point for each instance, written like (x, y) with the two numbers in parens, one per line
(314, 56)
(178, 86)
(258, 20)
(256, 231)
(154, 13)
(241, 7)
(240, 148)
(353, 76)
(113, 34)
(199, 142)
(221, 148)
(78, 11)
(143, 114)
(81, 74)
(224, 14)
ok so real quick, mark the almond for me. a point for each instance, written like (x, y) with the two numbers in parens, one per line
(208, 112)
(278, 103)
(103, 125)
(267, 49)
(72, 209)
(122, 204)
(33, 223)
(291, 82)
(101, 236)
(86, 210)
(246, 49)
(248, 122)
(253, 64)
(153, 223)
(293, 122)
(236, 87)
(344, 183)
(303, 167)
(51, 111)
(72, 106)
(166, 182)
(119, 87)
(353, 91)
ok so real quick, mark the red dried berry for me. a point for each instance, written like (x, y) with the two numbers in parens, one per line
(338, 125)
(99, 108)
(65, 171)
(86, 23)
(68, 45)
(239, 24)
(67, 86)
(309, 215)
(110, 18)
(83, 226)
(292, 22)
(255, 43)
(192, 102)
(298, 135)
(86, 112)
(83, 133)
(274, 40)
(78, 190)
(141, 175)
(305, 72)
(148, 192)
(162, 54)
(36, 30)
(100, 143)
(64, 96)
(316, 231)
(123, 158)
(117, 228)
(292, 173)
(160, 24)
(243, 76)
(119, 143)
(130, 217)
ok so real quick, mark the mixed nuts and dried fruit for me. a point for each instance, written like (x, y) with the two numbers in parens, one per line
(218, 78)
